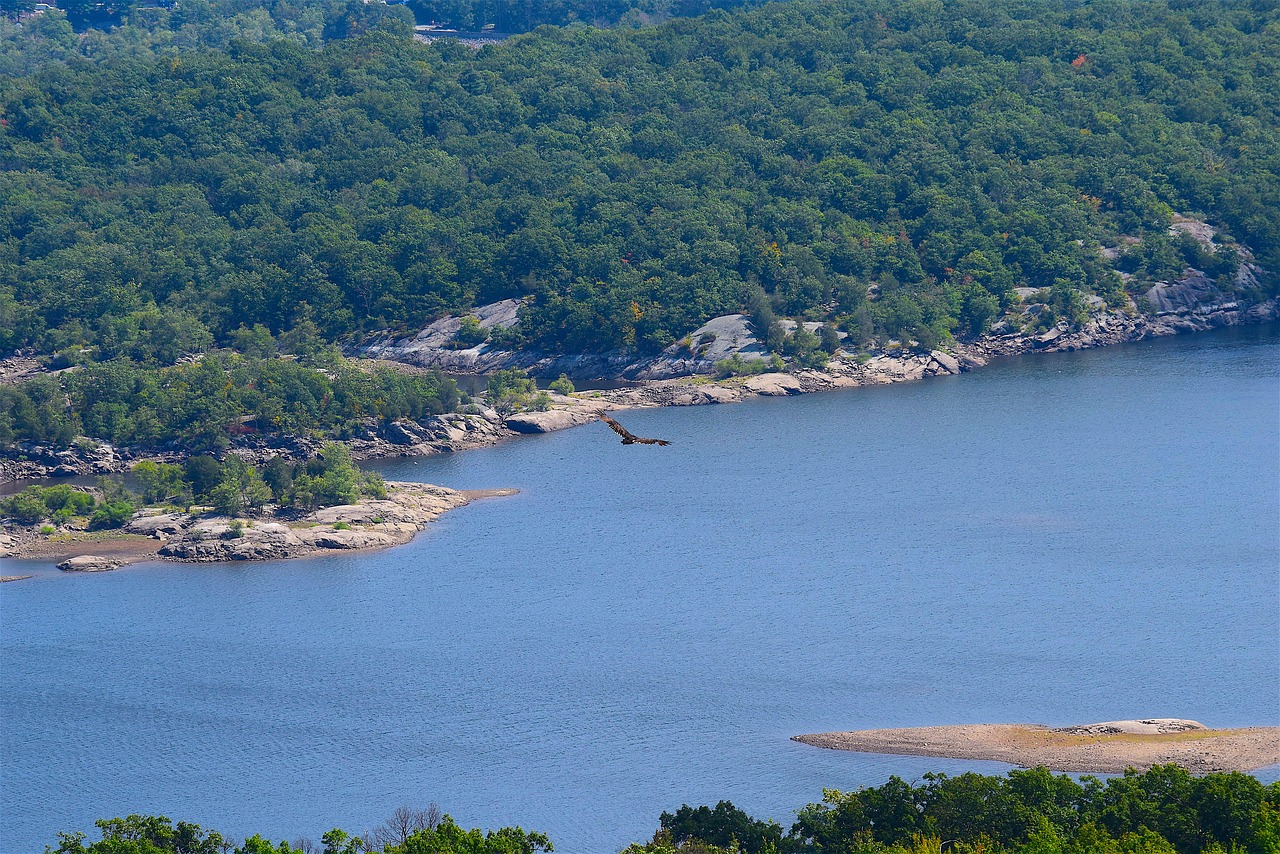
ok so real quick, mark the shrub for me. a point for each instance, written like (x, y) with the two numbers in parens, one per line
(470, 333)
(563, 385)
(736, 366)
(111, 514)
(27, 506)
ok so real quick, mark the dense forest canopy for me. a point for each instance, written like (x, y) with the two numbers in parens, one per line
(209, 169)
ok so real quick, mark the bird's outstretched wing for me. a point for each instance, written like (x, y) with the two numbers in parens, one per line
(629, 438)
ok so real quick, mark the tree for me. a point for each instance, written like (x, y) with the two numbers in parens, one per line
(15, 8)
(145, 834)
(511, 390)
(403, 823)
(159, 481)
(278, 475)
(448, 838)
(240, 490)
(203, 473)
(726, 826)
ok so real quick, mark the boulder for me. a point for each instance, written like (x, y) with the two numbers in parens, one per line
(164, 525)
(1193, 290)
(404, 433)
(774, 385)
(717, 339)
(552, 419)
(349, 539)
(1047, 338)
(703, 395)
(948, 363)
(89, 563)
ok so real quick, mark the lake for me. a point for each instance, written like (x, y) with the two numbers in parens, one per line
(1058, 539)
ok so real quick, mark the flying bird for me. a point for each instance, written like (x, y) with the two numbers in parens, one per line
(629, 438)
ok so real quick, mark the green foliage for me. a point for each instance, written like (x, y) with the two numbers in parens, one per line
(470, 333)
(448, 838)
(34, 411)
(240, 489)
(830, 342)
(225, 174)
(278, 475)
(202, 473)
(510, 391)
(144, 834)
(662, 843)
(160, 481)
(111, 514)
(509, 16)
(204, 404)
(562, 385)
(1162, 811)
(256, 342)
(156, 835)
(736, 366)
(333, 478)
(59, 503)
(726, 827)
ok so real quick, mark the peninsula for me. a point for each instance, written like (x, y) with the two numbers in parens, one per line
(198, 537)
(1105, 748)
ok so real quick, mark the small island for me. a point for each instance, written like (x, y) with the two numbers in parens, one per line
(1110, 747)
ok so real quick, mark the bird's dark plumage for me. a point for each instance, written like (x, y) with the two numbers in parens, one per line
(629, 438)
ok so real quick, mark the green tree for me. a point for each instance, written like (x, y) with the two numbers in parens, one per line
(144, 834)
(240, 489)
(448, 838)
(159, 481)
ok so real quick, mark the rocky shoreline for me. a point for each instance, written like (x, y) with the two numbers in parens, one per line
(676, 378)
(196, 537)
(1104, 748)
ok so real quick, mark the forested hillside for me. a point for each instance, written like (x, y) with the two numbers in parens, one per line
(896, 168)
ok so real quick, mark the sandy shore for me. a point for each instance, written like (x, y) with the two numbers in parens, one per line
(116, 545)
(1106, 748)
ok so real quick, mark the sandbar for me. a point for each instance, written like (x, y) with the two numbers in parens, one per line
(1103, 748)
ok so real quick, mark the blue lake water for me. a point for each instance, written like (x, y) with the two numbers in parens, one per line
(1059, 539)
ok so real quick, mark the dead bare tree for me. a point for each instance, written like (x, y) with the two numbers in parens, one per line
(404, 822)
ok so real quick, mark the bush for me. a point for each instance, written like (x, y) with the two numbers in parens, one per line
(563, 385)
(159, 481)
(512, 391)
(469, 334)
(60, 502)
(736, 366)
(27, 506)
(111, 514)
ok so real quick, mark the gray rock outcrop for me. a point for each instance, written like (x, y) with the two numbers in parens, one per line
(376, 523)
(553, 419)
(89, 563)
